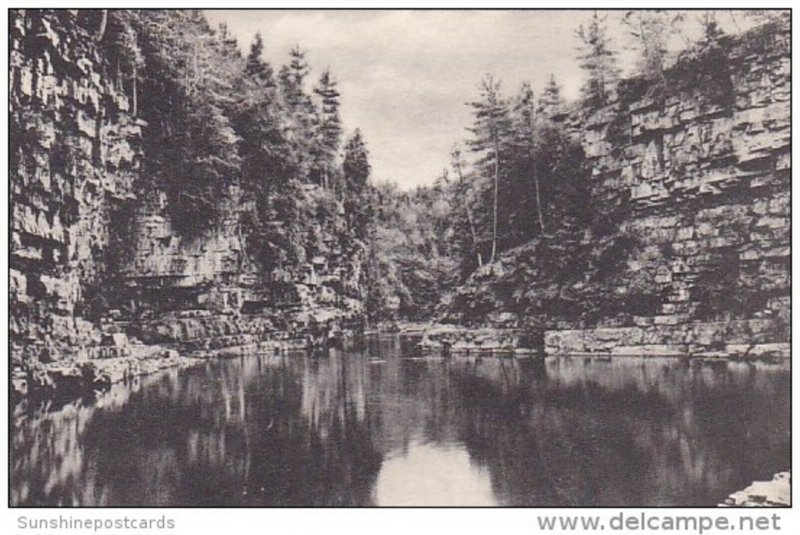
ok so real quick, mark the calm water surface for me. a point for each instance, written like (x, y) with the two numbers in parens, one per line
(372, 427)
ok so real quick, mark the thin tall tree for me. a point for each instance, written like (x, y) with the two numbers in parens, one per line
(598, 59)
(491, 128)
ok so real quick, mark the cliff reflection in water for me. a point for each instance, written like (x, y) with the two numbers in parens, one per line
(372, 428)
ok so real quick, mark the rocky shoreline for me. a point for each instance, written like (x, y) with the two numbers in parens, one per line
(455, 339)
(187, 339)
(774, 493)
(128, 350)
(732, 340)
(78, 374)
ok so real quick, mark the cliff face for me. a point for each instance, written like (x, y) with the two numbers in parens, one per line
(74, 158)
(213, 271)
(698, 165)
(705, 170)
(206, 294)
(94, 256)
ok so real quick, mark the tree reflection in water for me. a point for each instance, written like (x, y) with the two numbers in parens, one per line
(375, 428)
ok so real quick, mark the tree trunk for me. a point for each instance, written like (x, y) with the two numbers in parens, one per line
(474, 235)
(135, 102)
(538, 197)
(537, 191)
(457, 167)
(101, 30)
(494, 208)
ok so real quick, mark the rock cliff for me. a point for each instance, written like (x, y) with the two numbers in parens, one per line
(97, 270)
(704, 166)
(699, 164)
(74, 158)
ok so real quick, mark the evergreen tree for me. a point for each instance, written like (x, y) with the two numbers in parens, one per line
(550, 102)
(188, 82)
(292, 78)
(491, 136)
(598, 60)
(255, 67)
(525, 126)
(356, 172)
(301, 130)
(651, 30)
(330, 125)
(356, 165)
(268, 166)
(120, 37)
(463, 197)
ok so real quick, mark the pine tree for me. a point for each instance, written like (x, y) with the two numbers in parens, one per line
(125, 54)
(268, 165)
(651, 30)
(491, 134)
(525, 141)
(356, 165)
(256, 68)
(598, 60)
(330, 124)
(302, 121)
(292, 77)
(188, 81)
(550, 102)
(463, 197)
(356, 171)
(258, 118)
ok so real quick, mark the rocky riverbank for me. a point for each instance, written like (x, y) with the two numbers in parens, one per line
(774, 493)
(457, 339)
(736, 340)
(131, 349)
(85, 372)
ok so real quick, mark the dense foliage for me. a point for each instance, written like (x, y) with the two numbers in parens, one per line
(523, 184)
(229, 139)
(411, 251)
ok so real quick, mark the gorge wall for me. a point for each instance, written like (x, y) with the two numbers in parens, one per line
(96, 269)
(700, 163)
(694, 170)
(704, 168)
(74, 158)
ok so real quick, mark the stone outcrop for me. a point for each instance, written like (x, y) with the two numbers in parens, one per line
(456, 340)
(774, 493)
(758, 338)
(205, 295)
(169, 272)
(74, 157)
(706, 174)
(705, 169)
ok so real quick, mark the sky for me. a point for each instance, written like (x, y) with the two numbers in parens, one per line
(406, 76)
